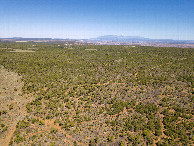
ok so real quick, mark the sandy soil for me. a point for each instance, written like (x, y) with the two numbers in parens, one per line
(20, 50)
(10, 90)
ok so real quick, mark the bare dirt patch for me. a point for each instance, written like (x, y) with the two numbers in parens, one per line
(12, 104)
(20, 50)
(91, 49)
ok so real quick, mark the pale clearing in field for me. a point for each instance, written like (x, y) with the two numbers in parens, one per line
(20, 50)
(91, 49)
(10, 90)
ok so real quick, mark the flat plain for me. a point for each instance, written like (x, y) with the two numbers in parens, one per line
(96, 95)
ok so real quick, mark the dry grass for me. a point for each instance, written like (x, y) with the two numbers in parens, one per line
(10, 90)
(20, 50)
(91, 49)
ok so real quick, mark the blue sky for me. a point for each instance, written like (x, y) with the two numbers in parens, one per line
(172, 19)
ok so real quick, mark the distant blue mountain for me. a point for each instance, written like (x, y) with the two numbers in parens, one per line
(108, 38)
(121, 38)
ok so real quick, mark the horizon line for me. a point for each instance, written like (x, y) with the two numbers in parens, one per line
(97, 37)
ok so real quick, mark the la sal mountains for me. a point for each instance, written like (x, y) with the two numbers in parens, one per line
(111, 40)
(121, 38)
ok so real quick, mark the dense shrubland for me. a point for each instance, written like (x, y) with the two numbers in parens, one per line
(114, 94)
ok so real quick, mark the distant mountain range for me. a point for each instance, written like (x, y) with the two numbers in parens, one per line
(121, 38)
(29, 39)
(105, 38)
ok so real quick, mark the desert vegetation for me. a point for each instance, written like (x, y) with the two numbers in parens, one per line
(101, 95)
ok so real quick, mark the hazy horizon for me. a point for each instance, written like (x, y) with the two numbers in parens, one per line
(84, 19)
(95, 38)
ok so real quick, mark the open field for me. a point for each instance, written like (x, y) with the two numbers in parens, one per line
(20, 50)
(117, 95)
(91, 49)
(12, 104)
